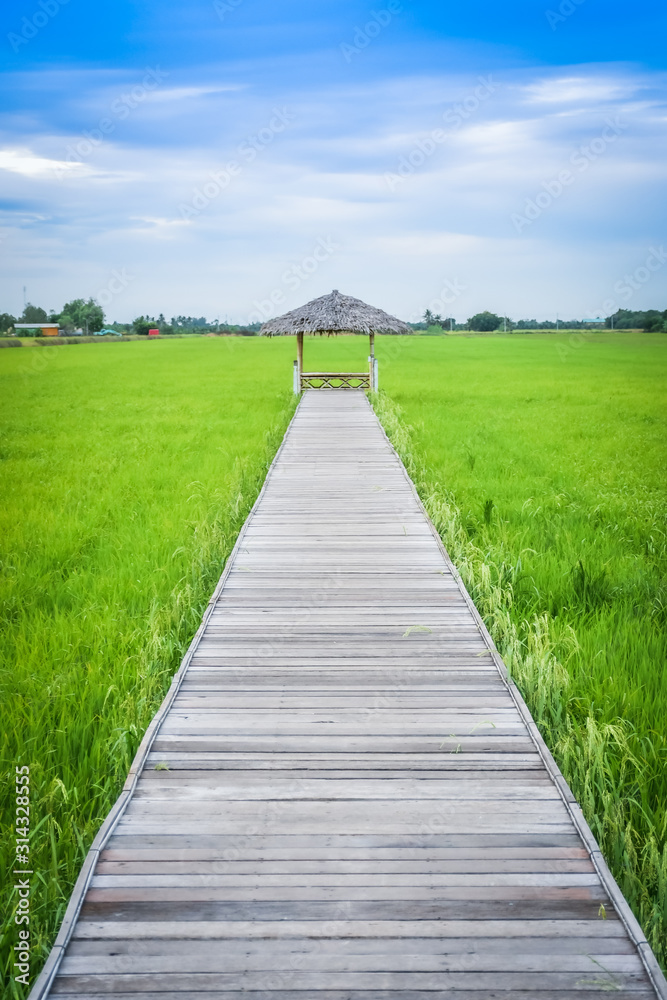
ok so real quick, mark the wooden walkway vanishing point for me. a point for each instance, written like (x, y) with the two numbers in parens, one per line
(342, 797)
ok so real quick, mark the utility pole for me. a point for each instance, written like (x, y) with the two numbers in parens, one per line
(504, 324)
(25, 302)
(557, 321)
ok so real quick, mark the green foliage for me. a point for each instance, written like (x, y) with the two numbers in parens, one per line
(649, 320)
(33, 314)
(6, 322)
(485, 322)
(142, 324)
(127, 474)
(568, 566)
(77, 313)
(655, 322)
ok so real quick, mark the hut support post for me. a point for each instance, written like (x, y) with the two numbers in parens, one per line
(299, 356)
(372, 363)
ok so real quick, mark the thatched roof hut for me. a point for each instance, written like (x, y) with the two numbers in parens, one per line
(332, 314)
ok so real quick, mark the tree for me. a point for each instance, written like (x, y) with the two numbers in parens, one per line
(649, 320)
(484, 322)
(163, 326)
(33, 314)
(654, 321)
(81, 315)
(433, 319)
(141, 325)
(6, 322)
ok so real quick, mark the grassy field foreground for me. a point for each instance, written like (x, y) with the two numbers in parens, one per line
(126, 475)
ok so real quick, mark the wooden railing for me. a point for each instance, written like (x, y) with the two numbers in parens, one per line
(335, 380)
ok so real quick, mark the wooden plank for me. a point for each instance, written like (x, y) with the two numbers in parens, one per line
(310, 981)
(106, 906)
(367, 844)
(553, 934)
(335, 788)
(324, 994)
(440, 895)
(152, 850)
(401, 955)
(364, 866)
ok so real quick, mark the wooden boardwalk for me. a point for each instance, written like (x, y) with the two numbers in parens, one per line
(342, 797)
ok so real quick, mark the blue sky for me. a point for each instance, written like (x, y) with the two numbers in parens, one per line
(238, 157)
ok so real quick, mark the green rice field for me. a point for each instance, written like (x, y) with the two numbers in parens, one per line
(128, 469)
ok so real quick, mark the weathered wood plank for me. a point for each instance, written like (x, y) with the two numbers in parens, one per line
(568, 982)
(374, 866)
(404, 955)
(326, 911)
(576, 935)
(440, 895)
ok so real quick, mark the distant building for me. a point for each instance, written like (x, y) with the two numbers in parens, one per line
(48, 329)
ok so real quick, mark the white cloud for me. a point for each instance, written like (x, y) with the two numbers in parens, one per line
(571, 89)
(27, 163)
(183, 93)
(158, 228)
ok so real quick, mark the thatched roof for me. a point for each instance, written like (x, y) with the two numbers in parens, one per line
(334, 313)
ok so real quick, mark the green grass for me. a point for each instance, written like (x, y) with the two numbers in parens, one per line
(126, 475)
(541, 459)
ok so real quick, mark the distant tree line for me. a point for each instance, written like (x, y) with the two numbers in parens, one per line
(88, 317)
(650, 321)
(186, 324)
